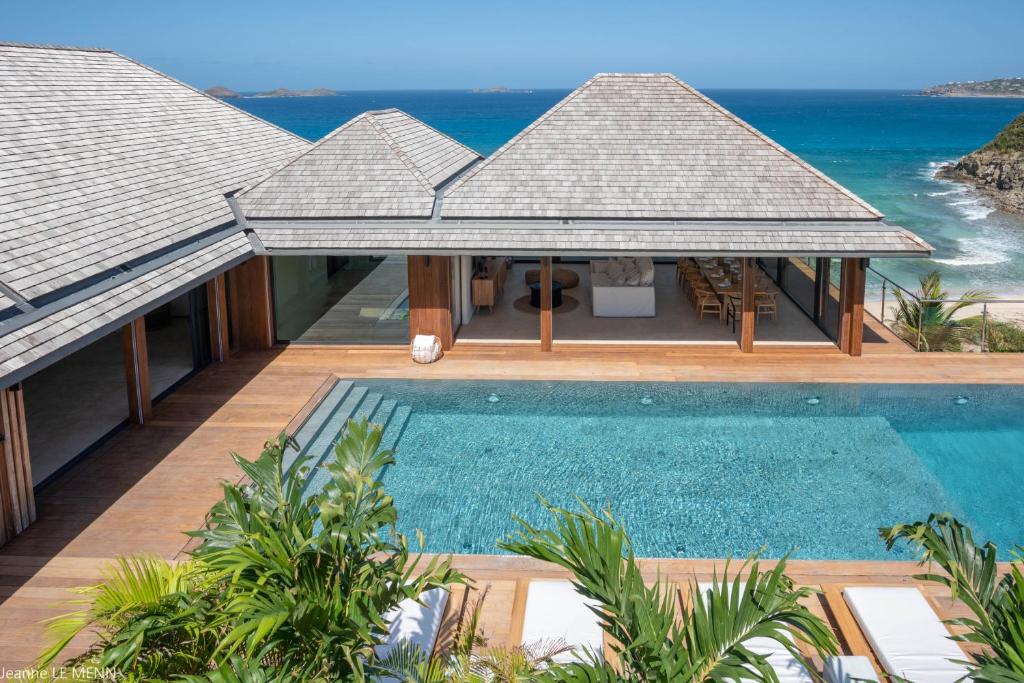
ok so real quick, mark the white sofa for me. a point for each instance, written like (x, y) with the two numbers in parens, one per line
(622, 287)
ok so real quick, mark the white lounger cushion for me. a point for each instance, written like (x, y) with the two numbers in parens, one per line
(554, 610)
(412, 622)
(786, 666)
(907, 636)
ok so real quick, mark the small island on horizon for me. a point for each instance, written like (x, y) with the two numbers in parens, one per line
(996, 87)
(225, 93)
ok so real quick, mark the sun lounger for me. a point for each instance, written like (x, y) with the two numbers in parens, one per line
(555, 611)
(787, 667)
(415, 623)
(906, 635)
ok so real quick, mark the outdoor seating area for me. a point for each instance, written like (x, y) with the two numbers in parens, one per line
(894, 630)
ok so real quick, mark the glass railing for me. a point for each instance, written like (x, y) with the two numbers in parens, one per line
(980, 325)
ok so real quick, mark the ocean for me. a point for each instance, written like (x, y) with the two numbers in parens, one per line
(884, 145)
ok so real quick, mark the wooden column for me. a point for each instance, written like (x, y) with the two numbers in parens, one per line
(136, 370)
(217, 306)
(17, 500)
(430, 298)
(546, 328)
(251, 304)
(852, 282)
(748, 315)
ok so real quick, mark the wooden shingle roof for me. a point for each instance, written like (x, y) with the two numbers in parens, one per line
(646, 146)
(34, 340)
(104, 162)
(381, 164)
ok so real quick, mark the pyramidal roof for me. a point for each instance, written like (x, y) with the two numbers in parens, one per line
(105, 162)
(647, 146)
(381, 164)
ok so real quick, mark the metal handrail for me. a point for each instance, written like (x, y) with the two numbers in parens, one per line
(984, 303)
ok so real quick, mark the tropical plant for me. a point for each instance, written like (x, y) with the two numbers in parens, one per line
(284, 584)
(150, 617)
(706, 640)
(973, 577)
(925, 321)
(999, 335)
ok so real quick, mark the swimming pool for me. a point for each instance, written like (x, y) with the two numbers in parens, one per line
(693, 469)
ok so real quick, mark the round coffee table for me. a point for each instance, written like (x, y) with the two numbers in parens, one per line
(556, 294)
(567, 278)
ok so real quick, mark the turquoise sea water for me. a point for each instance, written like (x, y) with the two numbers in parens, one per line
(883, 145)
(693, 469)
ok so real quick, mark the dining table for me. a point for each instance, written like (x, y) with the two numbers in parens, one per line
(726, 281)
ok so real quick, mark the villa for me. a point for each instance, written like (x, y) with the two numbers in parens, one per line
(150, 233)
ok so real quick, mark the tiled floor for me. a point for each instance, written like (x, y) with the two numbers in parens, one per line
(676, 321)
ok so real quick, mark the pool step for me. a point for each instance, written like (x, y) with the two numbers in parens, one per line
(355, 403)
(310, 430)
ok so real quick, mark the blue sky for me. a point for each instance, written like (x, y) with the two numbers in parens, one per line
(541, 44)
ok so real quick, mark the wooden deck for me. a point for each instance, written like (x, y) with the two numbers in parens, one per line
(137, 492)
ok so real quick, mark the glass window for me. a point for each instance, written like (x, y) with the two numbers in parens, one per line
(798, 282)
(341, 299)
(74, 403)
(177, 339)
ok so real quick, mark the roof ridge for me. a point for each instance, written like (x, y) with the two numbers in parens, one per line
(208, 95)
(426, 125)
(775, 145)
(45, 46)
(390, 141)
(519, 136)
(316, 145)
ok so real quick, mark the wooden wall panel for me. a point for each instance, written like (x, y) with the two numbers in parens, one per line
(430, 310)
(546, 322)
(251, 304)
(853, 280)
(136, 371)
(217, 306)
(17, 499)
(748, 316)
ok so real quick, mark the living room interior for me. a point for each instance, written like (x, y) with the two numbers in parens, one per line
(613, 300)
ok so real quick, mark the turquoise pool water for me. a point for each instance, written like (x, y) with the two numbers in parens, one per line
(694, 469)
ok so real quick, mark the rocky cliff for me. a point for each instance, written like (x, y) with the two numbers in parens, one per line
(997, 169)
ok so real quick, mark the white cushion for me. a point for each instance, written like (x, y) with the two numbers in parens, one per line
(787, 667)
(554, 610)
(426, 348)
(907, 636)
(647, 273)
(412, 622)
(848, 669)
(614, 270)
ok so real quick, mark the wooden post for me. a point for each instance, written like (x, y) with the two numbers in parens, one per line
(217, 306)
(430, 297)
(852, 282)
(17, 499)
(748, 314)
(546, 328)
(252, 304)
(136, 370)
